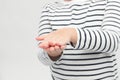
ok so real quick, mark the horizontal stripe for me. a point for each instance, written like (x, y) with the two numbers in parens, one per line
(86, 64)
(85, 69)
(88, 58)
(44, 29)
(43, 33)
(92, 26)
(84, 75)
(45, 24)
(79, 52)
(92, 15)
(75, 23)
(112, 25)
(107, 77)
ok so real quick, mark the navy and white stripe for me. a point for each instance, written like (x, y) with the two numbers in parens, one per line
(98, 29)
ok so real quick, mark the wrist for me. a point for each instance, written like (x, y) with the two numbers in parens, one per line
(73, 38)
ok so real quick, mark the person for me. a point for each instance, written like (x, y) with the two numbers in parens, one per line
(78, 39)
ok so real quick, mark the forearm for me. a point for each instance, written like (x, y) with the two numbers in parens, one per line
(74, 36)
(97, 40)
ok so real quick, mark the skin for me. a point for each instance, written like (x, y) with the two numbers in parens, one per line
(55, 42)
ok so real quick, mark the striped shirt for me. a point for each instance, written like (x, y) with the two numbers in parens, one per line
(98, 30)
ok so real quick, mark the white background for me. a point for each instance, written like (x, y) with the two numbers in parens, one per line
(18, 47)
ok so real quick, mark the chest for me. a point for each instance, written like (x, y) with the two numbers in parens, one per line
(81, 16)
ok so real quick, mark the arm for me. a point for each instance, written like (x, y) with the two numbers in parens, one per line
(44, 28)
(105, 39)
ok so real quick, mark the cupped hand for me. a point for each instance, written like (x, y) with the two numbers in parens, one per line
(59, 37)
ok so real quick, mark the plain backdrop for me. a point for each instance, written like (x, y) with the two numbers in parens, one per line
(18, 47)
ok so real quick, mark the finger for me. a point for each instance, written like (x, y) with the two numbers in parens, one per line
(58, 49)
(47, 50)
(52, 49)
(39, 38)
(63, 47)
(44, 45)
(42, 37)
(52, 44)
(60, 44)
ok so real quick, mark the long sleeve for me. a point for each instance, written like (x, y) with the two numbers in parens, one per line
(44, 28)
(44, 24)
(107, 38)
(43, 57)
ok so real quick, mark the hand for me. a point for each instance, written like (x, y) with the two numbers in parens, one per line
(55, 52)
(55, 42)
(59, 37)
